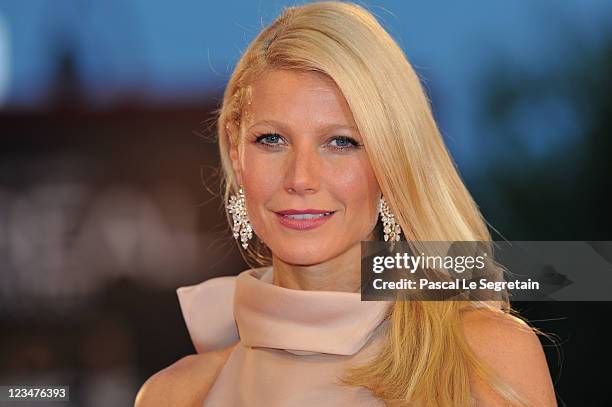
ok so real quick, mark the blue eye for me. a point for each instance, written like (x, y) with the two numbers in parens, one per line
(269, 139)
(345, 143)
(339, 143)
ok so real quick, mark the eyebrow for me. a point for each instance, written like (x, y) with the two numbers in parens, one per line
(285, 127)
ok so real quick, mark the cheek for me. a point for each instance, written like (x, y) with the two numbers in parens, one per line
(262, 179)
(353, 182)
(261, 176)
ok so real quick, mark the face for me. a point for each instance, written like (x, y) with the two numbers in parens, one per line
(302, 153)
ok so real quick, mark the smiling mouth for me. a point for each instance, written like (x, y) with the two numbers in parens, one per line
(304, 221)
(306, 215)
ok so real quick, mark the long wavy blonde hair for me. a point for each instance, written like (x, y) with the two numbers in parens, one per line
(426, 359)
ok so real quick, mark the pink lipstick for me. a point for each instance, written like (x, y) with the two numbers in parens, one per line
(304, 219)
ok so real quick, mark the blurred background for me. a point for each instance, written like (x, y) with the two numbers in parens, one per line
(108, 189)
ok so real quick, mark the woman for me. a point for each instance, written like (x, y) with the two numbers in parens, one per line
(325, 129)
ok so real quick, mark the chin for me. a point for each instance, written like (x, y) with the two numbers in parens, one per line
(305, 256)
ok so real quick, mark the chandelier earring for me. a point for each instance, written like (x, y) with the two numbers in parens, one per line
(391, 227)
(242, 227)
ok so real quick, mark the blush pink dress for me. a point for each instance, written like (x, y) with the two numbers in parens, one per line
(293, 346)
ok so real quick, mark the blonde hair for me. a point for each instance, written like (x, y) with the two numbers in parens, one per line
(424, 344)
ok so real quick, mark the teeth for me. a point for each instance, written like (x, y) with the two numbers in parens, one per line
(307, 215)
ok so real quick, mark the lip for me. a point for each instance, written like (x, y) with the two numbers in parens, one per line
(301, 211)
(303, 224)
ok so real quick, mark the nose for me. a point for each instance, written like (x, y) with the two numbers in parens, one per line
(302, 173)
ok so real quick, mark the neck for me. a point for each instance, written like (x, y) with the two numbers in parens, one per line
(342, 273)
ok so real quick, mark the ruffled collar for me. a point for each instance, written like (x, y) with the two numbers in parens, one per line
(250, 308)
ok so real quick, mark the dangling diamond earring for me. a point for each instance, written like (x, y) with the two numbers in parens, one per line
(392, 229)
(242, 227)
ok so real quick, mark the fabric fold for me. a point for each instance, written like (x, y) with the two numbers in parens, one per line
(208, 312)
(294, 346)
(301, 321)
(250, 308)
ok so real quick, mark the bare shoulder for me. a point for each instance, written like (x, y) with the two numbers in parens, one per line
(512, 349)
(185, 383)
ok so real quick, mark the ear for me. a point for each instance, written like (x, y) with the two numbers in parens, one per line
(231, 132)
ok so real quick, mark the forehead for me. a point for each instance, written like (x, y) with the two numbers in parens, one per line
(297, 98)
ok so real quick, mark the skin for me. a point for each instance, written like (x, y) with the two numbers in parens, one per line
(511, 348)
(185, 383)
(301, 170)
(302, 164)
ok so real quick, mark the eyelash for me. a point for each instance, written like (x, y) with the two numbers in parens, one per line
(351, 140)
